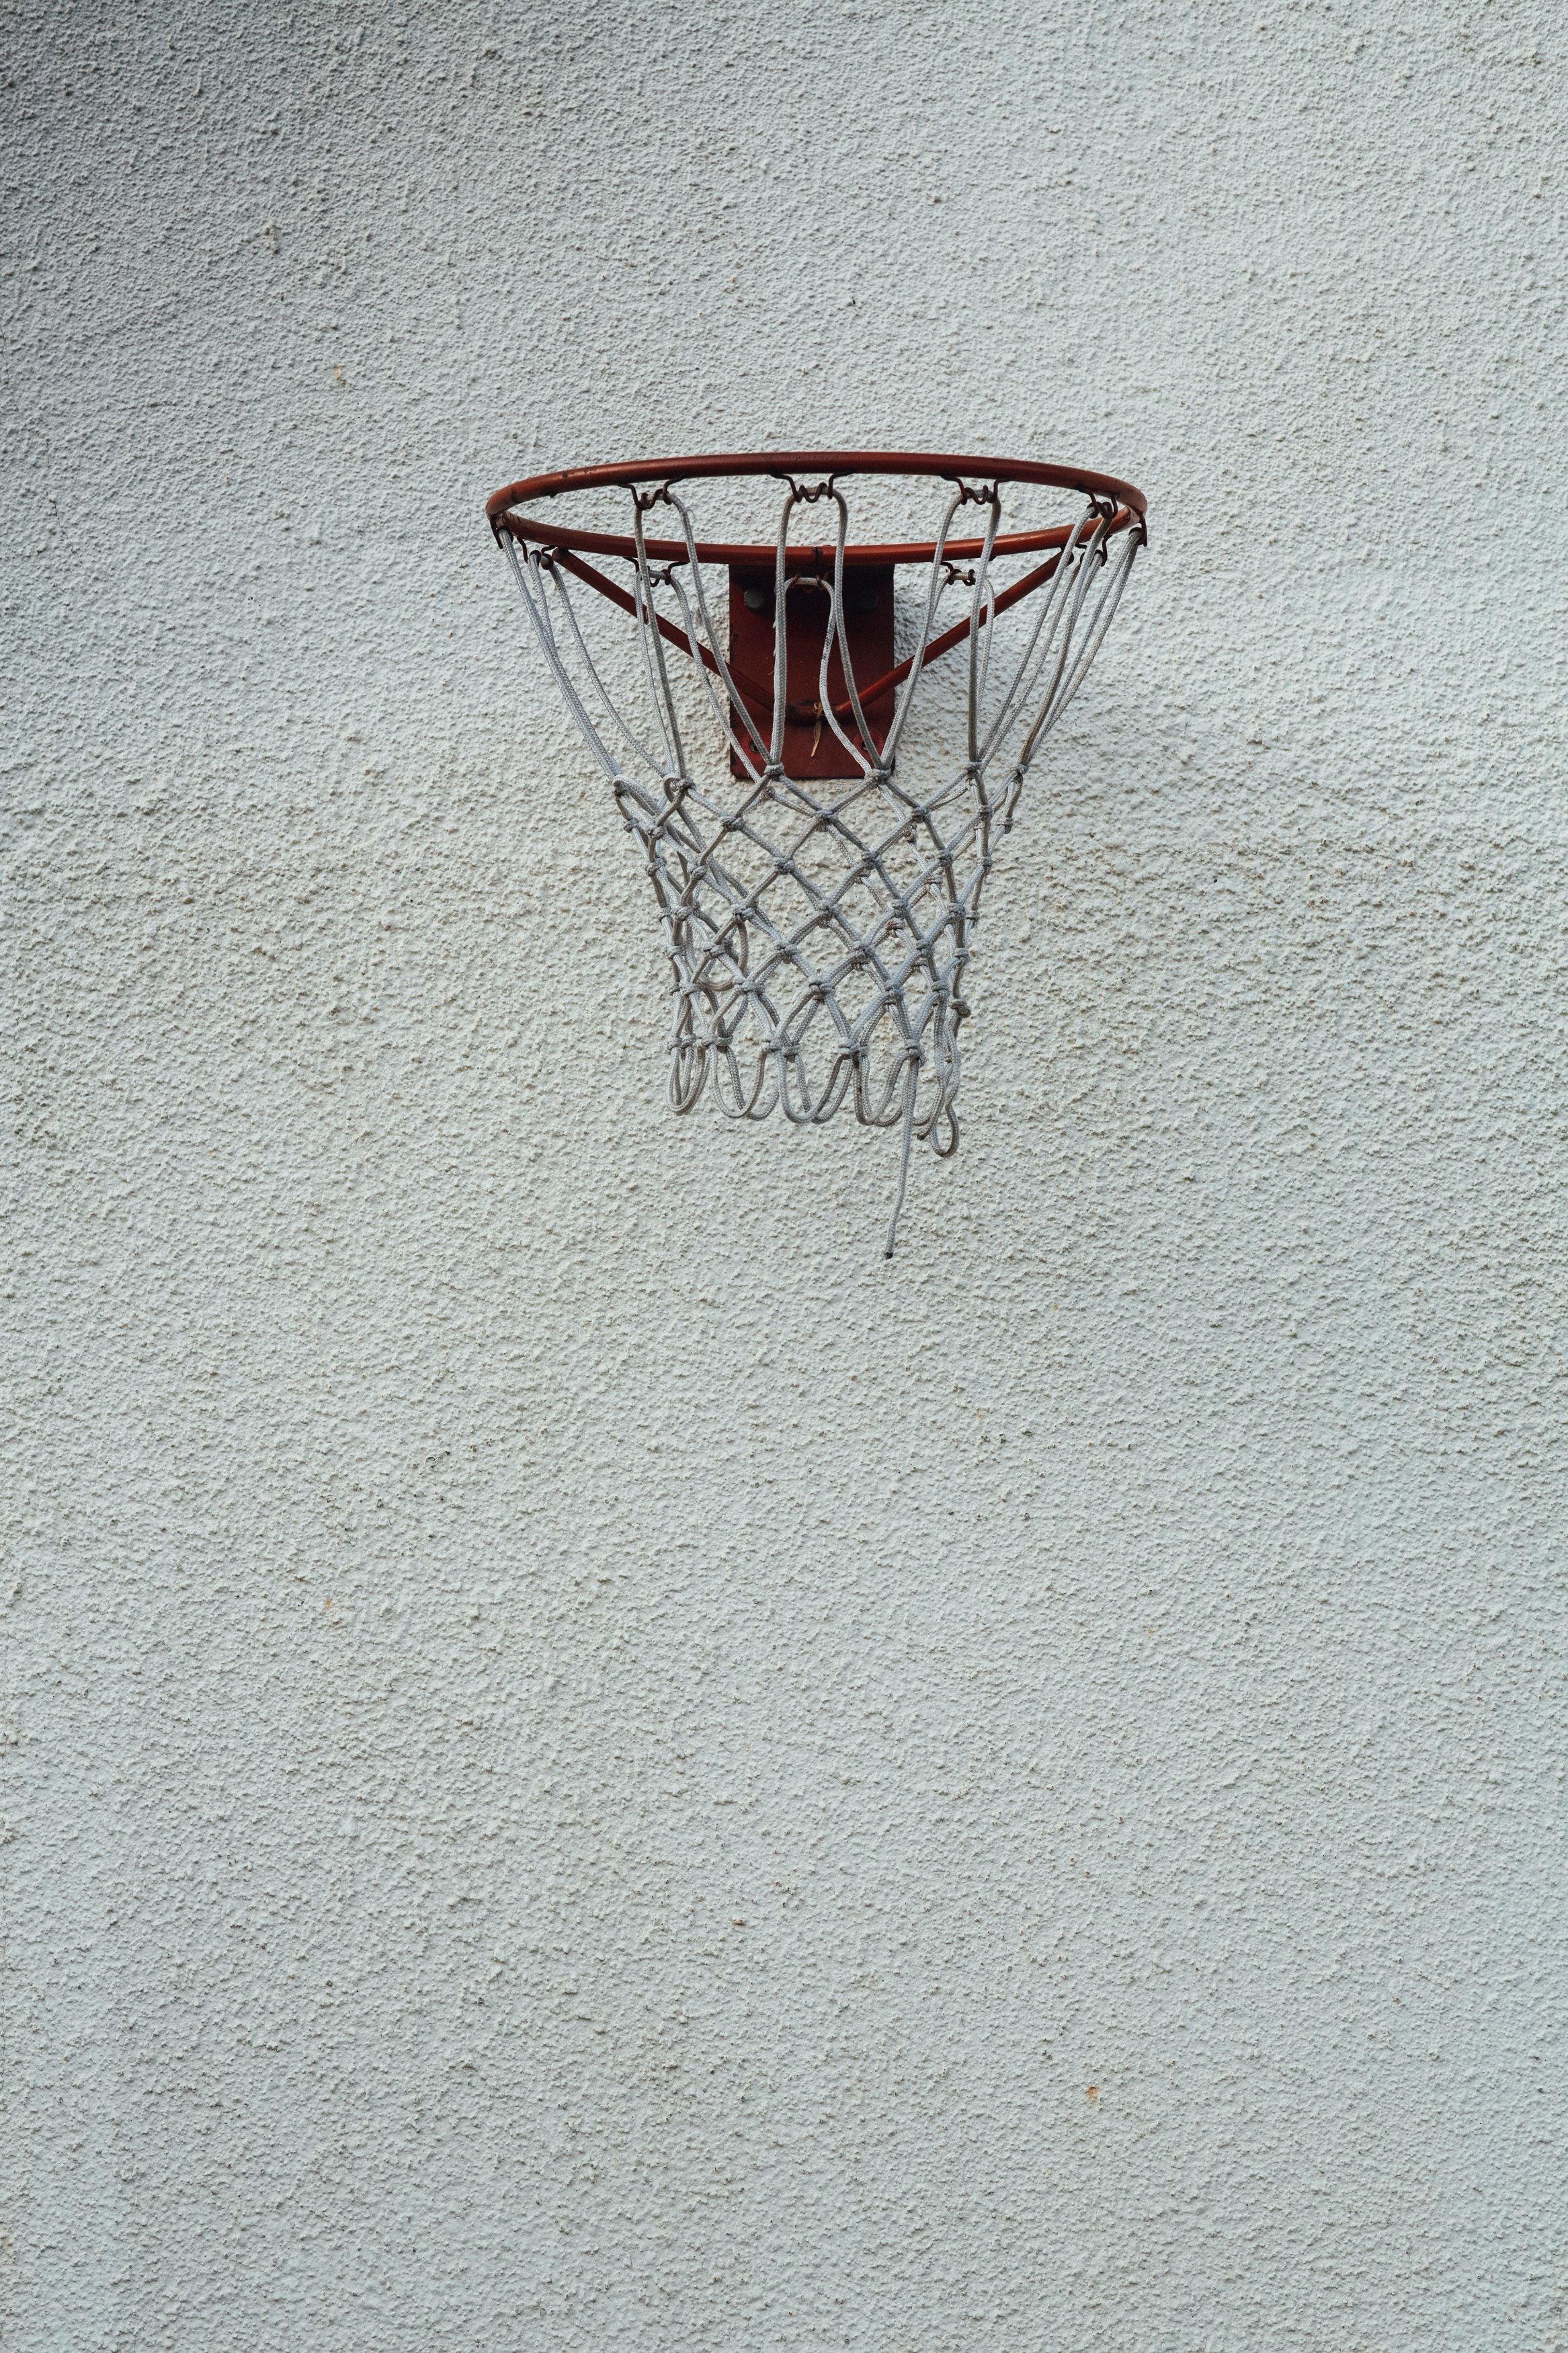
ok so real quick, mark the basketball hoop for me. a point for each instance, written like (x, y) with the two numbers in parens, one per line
(817, 829)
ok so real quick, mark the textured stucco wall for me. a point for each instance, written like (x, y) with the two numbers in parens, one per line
(592, 1766)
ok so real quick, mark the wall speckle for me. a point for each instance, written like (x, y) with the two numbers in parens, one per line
(590, 1765)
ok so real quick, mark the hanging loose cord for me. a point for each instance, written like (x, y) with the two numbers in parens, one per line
(911, 1089)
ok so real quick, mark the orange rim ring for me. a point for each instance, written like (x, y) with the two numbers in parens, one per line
(1129, 505)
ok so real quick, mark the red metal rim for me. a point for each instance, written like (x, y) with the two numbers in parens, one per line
(780, 465)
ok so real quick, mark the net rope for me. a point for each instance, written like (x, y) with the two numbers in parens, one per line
(819, 931)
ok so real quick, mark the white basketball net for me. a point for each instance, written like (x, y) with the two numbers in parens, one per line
(818, 932)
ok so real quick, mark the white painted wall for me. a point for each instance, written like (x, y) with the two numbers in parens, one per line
(593, 1766)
